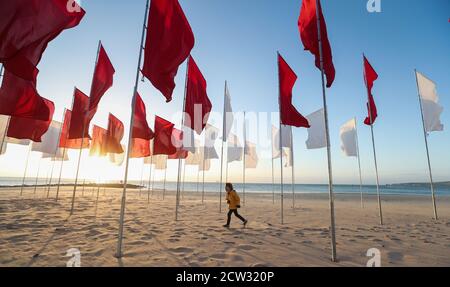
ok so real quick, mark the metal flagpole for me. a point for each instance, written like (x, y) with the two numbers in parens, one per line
(273, 175)
(37, 176)
(281, 149)
(198, 180)
(224, 125)
(4, 135)
(149, 179)
(330, 172)
(82, 138)
(127, 160)
(84, 184)
(203, 173)
(177, 201)
(359, 165)
(245, 153)
(142, 178)
(51, 178)
(374, 150)
(60, 173)
(293, 169)
(184, 179)
(63, 157)
(425, 134)
(25, 171)
(165, 179)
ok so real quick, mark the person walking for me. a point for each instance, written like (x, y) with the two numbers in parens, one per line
(234, 202)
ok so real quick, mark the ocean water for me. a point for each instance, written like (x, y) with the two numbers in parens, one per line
(398, 189)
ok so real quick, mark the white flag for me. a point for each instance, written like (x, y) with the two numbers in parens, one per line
(430, 104)
(50, 140)
(188, 139)
(3, 130)
(349, 144)
(160, 162)
(57, 157)
(17, 141)
(251, 156)
(235, 149)
(117, 159)
(194, 158)
(228, 116)
(276, 143)
(316, 133)
(288, 153)
(211, 134)
(205, 165)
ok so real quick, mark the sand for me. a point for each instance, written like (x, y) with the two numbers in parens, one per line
(36, 231)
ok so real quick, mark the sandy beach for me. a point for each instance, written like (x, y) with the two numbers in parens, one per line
(36, 231)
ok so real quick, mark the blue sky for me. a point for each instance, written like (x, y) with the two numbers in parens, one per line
(237, 41)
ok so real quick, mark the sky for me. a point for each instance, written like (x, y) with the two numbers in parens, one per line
(237, 42)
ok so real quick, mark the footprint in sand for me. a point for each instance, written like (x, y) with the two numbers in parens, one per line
(246, 247)
(181, 250)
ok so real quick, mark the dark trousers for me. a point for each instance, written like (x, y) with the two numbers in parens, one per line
(236, 214)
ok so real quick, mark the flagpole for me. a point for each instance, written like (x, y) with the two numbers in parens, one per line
(330, 172)
(245, 152)
(198, 180)
(63, 155)
(374, 149)
(37, 176)
(51, 177)
(4, 135)
(142, 178)
(26, 168)
(82, 138)
(425, 134)
(293, 169)
(203, 172)
(223, 143)
(281, 148)
(184, 179)
(149, 179)
(60, 173)
(164, 185)
(359, 165)
(133, 107)
(177, 203)
(273, 176)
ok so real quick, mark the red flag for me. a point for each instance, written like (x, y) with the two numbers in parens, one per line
(98, 145)
(114, 135)
(370, 76)
(79, 119)
(177, 139)
(169, 42)
(142, 133)
(19, 98)
(141, 130)
(197, 106)
(23, 128)
(307, 24)
(64, 141)
(140, 148)
(289, 114)
(163, 144)
(103, 79)
(26, 28)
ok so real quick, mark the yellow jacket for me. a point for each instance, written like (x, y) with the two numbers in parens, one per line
(233, 199)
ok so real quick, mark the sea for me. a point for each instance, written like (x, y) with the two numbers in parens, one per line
(394, 189)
